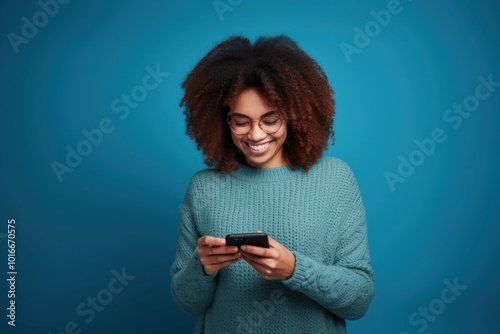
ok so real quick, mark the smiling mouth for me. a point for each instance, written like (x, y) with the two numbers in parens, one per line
(258, 148)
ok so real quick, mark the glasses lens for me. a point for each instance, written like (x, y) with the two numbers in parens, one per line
(240, 124)
(270, 124)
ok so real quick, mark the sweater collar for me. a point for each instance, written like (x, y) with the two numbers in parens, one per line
(263, 175)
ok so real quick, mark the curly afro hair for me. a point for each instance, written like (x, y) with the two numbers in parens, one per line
(288, 79)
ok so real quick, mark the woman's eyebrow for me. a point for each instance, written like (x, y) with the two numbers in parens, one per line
(272, 112)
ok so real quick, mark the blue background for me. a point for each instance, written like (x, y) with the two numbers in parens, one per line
(119, 208)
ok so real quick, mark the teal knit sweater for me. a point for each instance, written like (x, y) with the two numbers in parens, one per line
(318, 215)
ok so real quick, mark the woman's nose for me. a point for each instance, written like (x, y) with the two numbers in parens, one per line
(256, 132)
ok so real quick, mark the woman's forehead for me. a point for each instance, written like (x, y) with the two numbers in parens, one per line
(251, 102)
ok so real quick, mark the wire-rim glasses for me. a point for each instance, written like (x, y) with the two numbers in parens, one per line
(241, 124)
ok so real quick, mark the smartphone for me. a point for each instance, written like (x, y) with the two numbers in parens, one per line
(254, 239)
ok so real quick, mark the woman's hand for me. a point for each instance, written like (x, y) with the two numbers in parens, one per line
(275, 263)
(215, 255)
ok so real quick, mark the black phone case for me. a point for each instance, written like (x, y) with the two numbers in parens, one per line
(254, 239)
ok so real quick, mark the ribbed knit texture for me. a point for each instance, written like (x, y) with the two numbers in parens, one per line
(318, 215)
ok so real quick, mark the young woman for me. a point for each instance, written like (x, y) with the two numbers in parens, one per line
(263, 114)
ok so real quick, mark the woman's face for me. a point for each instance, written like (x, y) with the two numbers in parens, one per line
(261, 149)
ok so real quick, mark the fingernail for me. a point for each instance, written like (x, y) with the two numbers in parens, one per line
(244, 247)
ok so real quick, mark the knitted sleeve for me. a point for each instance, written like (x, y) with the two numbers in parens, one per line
(345, 286)
(191, 288)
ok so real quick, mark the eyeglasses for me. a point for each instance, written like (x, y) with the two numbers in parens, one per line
(242, 125)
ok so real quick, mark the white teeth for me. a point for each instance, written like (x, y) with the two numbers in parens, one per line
(258, 147)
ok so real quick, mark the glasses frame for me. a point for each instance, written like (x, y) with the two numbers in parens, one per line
(271, 113)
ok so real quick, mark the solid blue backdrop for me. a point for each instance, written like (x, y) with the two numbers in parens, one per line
(95, 160)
